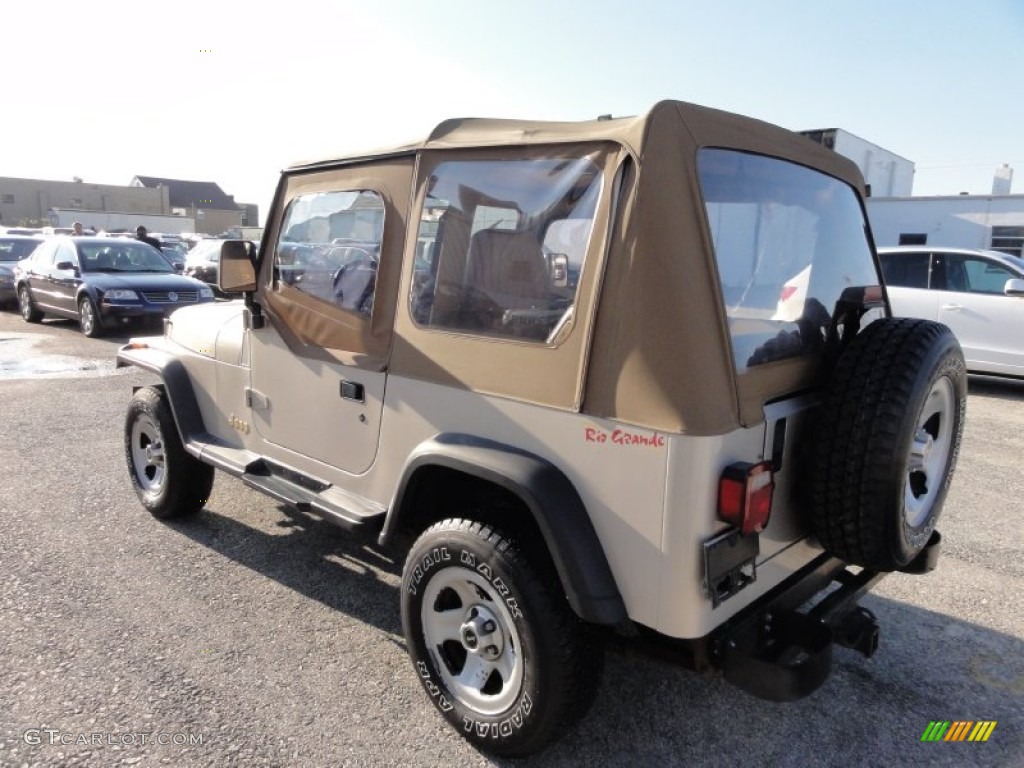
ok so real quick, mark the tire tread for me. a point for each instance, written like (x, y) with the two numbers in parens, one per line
(859, 434)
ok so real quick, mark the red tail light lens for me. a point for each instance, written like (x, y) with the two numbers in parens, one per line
(745, 496)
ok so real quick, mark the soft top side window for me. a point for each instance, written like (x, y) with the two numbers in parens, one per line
(329, 247)
(501, 243)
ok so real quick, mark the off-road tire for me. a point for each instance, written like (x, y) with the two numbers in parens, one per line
(888, 441)
(168, 481)
(460, 575)
(27, 307)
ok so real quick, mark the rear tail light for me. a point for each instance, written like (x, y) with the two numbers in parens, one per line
(745, 496)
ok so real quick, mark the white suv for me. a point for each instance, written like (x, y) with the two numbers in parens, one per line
(979, 294)
(550, 360)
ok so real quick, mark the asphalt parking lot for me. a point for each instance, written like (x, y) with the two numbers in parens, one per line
(257, 636)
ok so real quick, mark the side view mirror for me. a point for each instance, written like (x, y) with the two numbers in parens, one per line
(66, 266)
(1014, 287)
(237, 273)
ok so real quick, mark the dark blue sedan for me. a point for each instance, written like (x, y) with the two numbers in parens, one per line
(102, 282)
(13, 248)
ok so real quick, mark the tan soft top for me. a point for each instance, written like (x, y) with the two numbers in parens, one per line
(660, 355)
(631, 132)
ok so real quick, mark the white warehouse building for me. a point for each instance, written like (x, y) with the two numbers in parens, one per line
(886, 173)
(960, 221)
(994, 221)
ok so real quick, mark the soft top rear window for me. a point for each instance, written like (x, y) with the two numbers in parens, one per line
(788, 241)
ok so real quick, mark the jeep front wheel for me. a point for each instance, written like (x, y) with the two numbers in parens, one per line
(889, 438)
(168, 481)
(503, 658)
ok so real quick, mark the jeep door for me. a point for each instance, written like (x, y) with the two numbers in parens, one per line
(327, 285)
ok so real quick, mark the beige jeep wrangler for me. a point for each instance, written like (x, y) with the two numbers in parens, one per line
(629, 377)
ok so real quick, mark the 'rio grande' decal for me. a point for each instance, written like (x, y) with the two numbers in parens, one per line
(623, 437)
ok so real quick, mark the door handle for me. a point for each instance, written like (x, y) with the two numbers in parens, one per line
(952, 307)
(353, 390)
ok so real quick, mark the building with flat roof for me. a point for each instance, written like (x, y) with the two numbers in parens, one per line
(30, 201)
(43, 202)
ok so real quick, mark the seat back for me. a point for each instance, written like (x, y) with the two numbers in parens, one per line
(509, 266)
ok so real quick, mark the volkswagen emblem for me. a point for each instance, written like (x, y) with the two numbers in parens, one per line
(172, 296)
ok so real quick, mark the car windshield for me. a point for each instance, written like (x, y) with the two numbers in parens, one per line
(173, 250)
(15, 250)
(122, 256)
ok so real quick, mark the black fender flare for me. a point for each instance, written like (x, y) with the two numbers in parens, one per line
(552, 500)
(176, 384)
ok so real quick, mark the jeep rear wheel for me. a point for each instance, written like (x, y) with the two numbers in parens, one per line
(890, 433)
(500, 654)
(168, 481)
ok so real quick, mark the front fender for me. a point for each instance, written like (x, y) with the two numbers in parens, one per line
(177, 385)
(553, 502)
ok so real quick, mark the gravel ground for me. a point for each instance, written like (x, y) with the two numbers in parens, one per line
(257, 636)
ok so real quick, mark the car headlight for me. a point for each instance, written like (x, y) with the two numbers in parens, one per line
(6, 279)
(121, 294)
(206, 292)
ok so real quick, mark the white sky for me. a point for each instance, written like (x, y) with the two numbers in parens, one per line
(231, 91)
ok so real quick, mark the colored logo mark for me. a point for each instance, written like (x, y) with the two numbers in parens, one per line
(958, 730)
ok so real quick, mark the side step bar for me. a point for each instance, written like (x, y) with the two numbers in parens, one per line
(308, 495)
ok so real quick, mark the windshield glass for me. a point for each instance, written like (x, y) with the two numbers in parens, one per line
(15, 250)
(788, 241)
(121, 256)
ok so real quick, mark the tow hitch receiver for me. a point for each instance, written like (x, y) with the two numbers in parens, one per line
(782, 654)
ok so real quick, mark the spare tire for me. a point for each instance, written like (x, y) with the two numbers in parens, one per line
(889, 435)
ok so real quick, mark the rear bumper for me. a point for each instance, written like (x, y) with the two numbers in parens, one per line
(780, 647)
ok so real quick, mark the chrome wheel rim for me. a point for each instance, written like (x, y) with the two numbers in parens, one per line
(147, 451)
(929, 453)
(472, 639)
(25, 302)
(87, 317)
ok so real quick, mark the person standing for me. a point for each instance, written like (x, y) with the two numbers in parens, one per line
(76, 229)
(140, 234)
